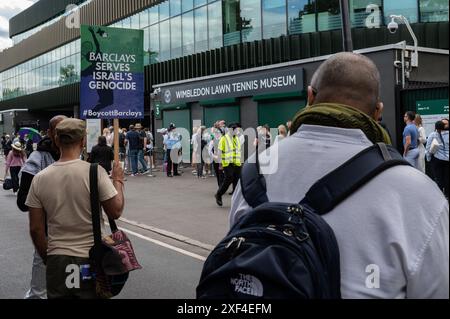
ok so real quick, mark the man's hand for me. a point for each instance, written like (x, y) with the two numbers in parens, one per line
(117, 172)
(114, 206)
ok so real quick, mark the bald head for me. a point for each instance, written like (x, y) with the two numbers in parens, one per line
(348, 78)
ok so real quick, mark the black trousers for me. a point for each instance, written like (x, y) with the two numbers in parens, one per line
(440, 173)
(200, 169)
(170, 162)
(232, 174)
(15, 177)
(219, 174)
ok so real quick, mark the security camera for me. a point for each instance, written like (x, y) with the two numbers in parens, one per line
(392, 26)
(155, 93)
(398, 64)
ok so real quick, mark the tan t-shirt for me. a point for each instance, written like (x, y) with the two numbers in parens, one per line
(62, 190)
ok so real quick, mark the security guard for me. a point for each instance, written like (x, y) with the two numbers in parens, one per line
(230, 153)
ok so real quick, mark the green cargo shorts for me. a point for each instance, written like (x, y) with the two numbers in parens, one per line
(64, 280)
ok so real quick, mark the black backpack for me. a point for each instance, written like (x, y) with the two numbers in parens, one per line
(281, 250)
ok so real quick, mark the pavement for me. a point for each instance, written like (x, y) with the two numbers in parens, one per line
(173, 224)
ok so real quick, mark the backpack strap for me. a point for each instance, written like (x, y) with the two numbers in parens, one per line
(95, 206)
(333, 188)
(253, 183)
(336, 186)
(95, 203)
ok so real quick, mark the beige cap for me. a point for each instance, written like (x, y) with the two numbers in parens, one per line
(71, 131)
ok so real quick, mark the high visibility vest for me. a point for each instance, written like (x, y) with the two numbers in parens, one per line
(231, 150)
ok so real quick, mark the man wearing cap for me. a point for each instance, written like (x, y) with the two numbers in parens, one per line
(68, 210)
(45, 155)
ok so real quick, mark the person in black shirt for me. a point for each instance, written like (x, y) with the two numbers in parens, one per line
(29, 147)
(102, 154)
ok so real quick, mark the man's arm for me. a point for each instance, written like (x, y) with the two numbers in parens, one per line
(37, 231)
(113, 207)
(239, 206)
(407, 145)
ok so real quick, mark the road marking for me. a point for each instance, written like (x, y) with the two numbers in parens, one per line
(160, 243)
(169, 234)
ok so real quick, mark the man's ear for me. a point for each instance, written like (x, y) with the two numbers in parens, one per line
(378, 111)
(311, 96)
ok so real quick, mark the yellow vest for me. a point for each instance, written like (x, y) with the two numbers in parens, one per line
(231, 150)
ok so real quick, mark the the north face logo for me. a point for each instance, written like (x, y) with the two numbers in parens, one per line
(248, 285)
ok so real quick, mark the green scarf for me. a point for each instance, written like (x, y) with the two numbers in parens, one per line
(343, 116)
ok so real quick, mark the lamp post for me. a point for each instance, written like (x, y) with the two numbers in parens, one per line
(393, 26)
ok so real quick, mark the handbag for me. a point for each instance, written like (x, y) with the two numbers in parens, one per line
(112, 258)
(8, 184)
(434, 147)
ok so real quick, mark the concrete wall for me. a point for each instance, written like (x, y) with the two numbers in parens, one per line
(196, 114)
(432, 68)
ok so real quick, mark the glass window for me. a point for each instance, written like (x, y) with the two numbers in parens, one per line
(187, 5)
(201, 29)
(366, 13)
(301, 16)
(329, 15)
(274, 18)
(135, 21)
(175, 37)
(146, 46)
(175, 7)
(77, 66)
(143, 19)
(251, 20)
(164, 52)
(61, 77)
(407, 8)
(433, 10)
(215, 25)
(154, 43)
(56, 56)
(126, 23)
(154, 14)
(164, 10)
(198, 3)
(231, 18)
(188, 33)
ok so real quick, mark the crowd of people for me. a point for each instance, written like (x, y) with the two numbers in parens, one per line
(420, 147)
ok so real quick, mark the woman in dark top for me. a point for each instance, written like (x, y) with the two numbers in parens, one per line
(102, 154)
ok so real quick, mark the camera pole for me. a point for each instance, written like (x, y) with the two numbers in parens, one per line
(346, 27)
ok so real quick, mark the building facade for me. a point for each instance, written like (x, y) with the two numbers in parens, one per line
(224, 43)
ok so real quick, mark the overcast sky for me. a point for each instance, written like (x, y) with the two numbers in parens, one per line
(8, 9)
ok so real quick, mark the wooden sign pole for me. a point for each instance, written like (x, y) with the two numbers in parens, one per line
(116, 140)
